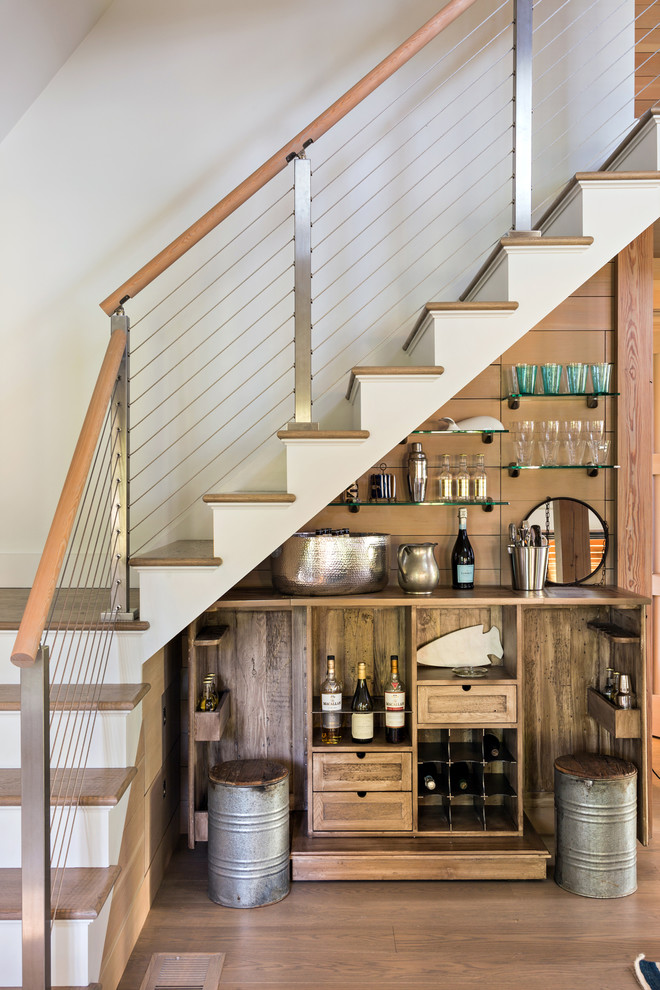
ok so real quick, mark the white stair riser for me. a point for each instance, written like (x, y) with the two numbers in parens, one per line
(90, 838)
(76, 951)
(122, 666)
(112, 736)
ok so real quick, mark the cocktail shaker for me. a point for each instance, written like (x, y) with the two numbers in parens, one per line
(417, 473)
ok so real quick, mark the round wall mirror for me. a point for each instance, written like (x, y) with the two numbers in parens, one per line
(577, 537)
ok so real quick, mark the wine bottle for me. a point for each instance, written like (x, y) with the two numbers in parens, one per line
(331, 718)
(462, 779)
(395, 705)
(462, 556)
(428, 779)
(362, 719)
(492, 747)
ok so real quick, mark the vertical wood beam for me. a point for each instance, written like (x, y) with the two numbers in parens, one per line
(634, 373)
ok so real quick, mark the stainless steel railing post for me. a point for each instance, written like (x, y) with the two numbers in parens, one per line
(302, 207)
(522, 117)
(35, 823)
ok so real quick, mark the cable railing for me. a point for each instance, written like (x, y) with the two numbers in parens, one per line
(415, 180)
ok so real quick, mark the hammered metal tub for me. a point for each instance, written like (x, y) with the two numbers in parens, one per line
(325, 564)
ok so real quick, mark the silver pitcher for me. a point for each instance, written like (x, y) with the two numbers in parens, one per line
(419, 573)
(417, 473)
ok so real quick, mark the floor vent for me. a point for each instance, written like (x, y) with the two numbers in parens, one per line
(183, 971)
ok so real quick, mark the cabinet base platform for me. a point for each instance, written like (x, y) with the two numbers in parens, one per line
(522, 857)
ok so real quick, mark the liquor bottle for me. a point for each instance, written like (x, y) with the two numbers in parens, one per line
(331, 705)
(479, 480)
(446, 481)
(209, 699)
(395, 704)
(609, 690)
(462, 556)
(463, 480)
(428, 779)
(462, 779)
(362, 719)
(492, 747)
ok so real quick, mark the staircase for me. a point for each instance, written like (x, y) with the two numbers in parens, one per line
(599, 214)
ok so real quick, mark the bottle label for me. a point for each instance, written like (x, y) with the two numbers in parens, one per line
(331, 702)
(395, 703)
(465, 573)
(362, 725)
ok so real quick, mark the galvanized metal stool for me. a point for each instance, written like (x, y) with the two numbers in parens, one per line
(248, 833)
(596, 825)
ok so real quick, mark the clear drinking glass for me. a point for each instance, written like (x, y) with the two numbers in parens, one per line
(600, 376)
(526, 377)
(523, 447)
(548, 451)
(576, 377)
(551, 374)
(598, 451)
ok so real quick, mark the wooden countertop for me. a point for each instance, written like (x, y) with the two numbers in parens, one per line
(258, 598)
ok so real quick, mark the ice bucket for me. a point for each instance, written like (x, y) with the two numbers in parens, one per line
(529, 567)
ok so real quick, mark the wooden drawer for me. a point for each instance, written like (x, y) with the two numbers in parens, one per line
(364, 811)
(482, 704)
(372, 772)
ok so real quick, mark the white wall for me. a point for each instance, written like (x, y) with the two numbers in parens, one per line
(160, 111)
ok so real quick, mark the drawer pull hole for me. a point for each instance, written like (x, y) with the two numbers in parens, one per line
(360, 756)
(466, 687)
(361, 793)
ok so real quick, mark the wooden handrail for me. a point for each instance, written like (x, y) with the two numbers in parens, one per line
(278, 162)
(41, 594)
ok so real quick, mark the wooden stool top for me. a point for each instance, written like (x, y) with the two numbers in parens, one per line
(594, 766)
(248, 773)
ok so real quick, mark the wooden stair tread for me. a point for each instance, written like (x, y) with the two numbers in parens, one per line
(70, 606)
(249, 498)
(323, 434)
(82, 894)
(69, 697)
(182, 553)
(522, 241)
(615, 176)
(476, 305)
(102, 787)
(90, 986)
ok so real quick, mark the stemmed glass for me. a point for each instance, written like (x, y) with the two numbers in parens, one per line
(522, 435)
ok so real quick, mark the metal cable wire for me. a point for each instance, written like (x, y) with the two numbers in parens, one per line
(414, 109)
(537, 27)
(204, 391)
(224, 399)
(223, 299)
(145, 417)
(580, 68)
(437, 140)
(193, 476)
(416, 82)
(579, 43)
(205, 263)
(412, 288)
(434, 219)
(413, 262)
(189, 505)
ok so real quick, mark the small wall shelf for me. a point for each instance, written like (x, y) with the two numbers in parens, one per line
(613, 632)
(591, 469)
(486, 505)
(209, 726)
(513, 398)
(210, 635)
(621, 723)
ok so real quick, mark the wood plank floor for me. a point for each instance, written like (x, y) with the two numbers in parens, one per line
(502, 935)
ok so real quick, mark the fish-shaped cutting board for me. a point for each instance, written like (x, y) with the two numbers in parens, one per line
(469, 647)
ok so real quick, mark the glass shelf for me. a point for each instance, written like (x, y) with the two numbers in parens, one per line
(486, 435)
(591, 469)
(486, 505)
(513, 398)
